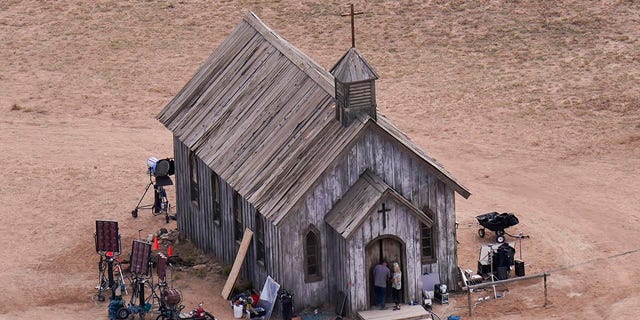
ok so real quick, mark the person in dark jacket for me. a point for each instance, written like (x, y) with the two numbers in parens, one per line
(381, 275)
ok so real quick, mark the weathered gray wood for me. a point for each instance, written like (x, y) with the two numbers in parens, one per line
(319, 201)
(235, 270)
(407, 312)
(353, 67)
(259, 114)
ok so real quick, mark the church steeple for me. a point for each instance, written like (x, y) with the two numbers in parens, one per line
(355, 87)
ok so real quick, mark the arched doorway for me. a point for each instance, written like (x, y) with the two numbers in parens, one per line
(388, 248)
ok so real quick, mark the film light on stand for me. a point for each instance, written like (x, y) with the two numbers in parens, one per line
(140, 253)
(107, 241)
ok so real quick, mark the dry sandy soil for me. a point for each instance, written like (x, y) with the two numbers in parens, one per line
(533, 105)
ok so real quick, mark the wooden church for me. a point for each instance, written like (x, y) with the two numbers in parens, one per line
(267, 139)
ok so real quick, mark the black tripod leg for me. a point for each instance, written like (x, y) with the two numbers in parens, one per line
(110, 275)
(101, 279)
(134, 212)
(157, 201)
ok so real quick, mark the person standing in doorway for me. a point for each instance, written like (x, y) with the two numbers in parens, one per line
(396, 285)
(381, 275)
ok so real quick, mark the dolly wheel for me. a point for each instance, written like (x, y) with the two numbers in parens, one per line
(134, 213)
(500, 239)
(500, 232)
(122, 313)
(481, 233)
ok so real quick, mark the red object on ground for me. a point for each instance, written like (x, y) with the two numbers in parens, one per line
(156, 246)
(170, 251)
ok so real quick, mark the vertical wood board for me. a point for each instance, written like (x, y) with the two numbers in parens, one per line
(235, 270)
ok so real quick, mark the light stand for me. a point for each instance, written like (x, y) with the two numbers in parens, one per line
(159, 172)
(161, 203)
(107, 241)
(493, 277)
(140, 254)
(169, 298)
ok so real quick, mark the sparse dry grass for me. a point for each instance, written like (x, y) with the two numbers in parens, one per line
(552, 81)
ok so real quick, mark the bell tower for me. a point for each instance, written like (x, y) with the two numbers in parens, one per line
(355, 87)
(354, 82)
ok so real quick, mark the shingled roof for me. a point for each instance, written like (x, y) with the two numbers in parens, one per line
(260, 113)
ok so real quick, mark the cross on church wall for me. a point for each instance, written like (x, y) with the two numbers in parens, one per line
(352, 14)
(384, 211)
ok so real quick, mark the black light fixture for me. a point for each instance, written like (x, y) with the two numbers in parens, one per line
(159, 171)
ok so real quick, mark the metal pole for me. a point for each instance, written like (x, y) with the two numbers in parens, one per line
(469, 300)
(141, 291)
(520, 243)
(110, 275)
(545, 290)
(500, 282)
(353, 28)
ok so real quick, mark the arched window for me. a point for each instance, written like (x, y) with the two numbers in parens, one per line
(426, 243)
(259, 236)
(193, 168)
(215, 192)
(238, 223)
(312, 255)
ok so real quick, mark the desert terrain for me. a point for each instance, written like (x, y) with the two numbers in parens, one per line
(533, 105)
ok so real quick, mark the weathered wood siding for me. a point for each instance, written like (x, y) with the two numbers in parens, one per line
(410, 177)
(216, 237)
(400, 223)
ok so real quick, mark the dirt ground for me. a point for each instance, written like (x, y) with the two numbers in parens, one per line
(533, 105)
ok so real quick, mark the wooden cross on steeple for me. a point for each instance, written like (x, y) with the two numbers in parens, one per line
(353, 24)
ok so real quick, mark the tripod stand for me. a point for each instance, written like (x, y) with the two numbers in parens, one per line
(161, 203)
(492, 275)
(106, 281)
(108, 259)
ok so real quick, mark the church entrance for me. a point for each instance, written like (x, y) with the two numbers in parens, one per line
(384, 248)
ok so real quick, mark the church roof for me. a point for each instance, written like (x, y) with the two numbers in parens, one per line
(260, 113)
(353, 67)
(361, 200)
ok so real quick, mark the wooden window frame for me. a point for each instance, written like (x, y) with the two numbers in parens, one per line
(427, 258)
(216, 209)
(260, 244)
(194, 189)
(312, 230)
(238, 222)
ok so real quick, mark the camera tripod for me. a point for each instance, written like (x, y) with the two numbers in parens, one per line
(161, 203)
(493, 277)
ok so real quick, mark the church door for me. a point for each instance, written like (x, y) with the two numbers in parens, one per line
(384, 248)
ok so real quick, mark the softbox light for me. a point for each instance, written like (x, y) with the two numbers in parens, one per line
(140, 253)
(107, 237)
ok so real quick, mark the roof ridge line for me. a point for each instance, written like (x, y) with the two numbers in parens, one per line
(309, 66)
